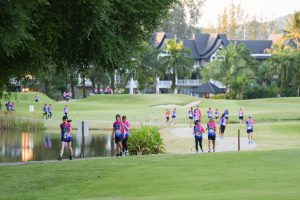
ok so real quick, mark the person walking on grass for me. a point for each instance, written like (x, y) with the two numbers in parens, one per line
(226, 114)
(45, 114)
(127, 127)
(174, 116)
(66, 110)
(217, 114)
(191, 116)
(211, 127)
(49, 110)
(209, 113)
(241, 116)
(167, 114)
(249, 124)
(117, 134)
(66, 137)
(197, 114)
(198, 135)
(222, 123)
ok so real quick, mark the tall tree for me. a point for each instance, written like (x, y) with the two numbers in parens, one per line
(177, 61)
(293, 29)
(73, 34)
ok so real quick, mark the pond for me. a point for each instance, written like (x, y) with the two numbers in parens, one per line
(24, 146)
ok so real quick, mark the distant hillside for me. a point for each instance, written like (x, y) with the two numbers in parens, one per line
(280, 23)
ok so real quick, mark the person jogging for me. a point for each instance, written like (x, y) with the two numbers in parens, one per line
(217, 114)
(66, 137)
(45, 115)
(49, 109)
(226, 114)
(66, 110)
(127, 127)
(249, 124)
(211, 127)
(241, 115)
(222, 123)
(174, 116)
(209, 113)
(117, 134)
(198, 135)
(167, 115)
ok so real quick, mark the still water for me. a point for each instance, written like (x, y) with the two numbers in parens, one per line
(24, 146)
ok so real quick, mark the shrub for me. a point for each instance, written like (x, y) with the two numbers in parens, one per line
(257, 92)
(220, 96)
(145, 140)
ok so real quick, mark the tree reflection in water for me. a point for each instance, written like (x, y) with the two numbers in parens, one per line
(22, 146)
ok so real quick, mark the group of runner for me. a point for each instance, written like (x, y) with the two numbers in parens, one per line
(120, 135)
(195, 116)
(168, 114)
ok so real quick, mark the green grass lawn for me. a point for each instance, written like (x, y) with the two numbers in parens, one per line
(269, 174)
(142, 108)
(240, 175)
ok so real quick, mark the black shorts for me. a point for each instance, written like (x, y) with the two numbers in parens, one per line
(241, 117)
(173, 116)
(222, 128)
(226, 117)
(167, 118)
(212, 137)
(190, 117)
(250, 130)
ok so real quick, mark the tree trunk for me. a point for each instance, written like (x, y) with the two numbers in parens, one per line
(93, 81)
(46, 87)
(83, 86)
(112, 80)
(298, 91)
(174, 86)
(72, 83)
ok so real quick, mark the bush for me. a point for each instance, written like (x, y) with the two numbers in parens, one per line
(220, 96)
(145, 140)
(257, 92)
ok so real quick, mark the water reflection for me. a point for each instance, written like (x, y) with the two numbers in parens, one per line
(22, 146)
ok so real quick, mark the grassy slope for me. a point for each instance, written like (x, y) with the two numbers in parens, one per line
(245, 175)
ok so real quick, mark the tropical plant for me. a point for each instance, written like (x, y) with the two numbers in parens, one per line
(177, 61)
(235, 61)
(292, 31)
(145, 140)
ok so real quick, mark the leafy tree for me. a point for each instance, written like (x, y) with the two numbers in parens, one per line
(73, 34)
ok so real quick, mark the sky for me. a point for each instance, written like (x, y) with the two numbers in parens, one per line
(268, 9)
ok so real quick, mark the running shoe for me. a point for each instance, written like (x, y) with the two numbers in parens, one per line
(59, 158)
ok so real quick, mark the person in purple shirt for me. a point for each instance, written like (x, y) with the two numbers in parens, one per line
(66, 137)
(118, 134)
(49, 109)
(66, 110)
(45, 112)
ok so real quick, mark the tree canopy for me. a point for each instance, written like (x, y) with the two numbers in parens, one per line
(72, 34)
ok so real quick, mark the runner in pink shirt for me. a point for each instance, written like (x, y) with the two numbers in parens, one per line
(198, 132)
(211, 127)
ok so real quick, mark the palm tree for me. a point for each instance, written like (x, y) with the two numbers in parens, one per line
(293, 29)
(234, 62)
(177, 61)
